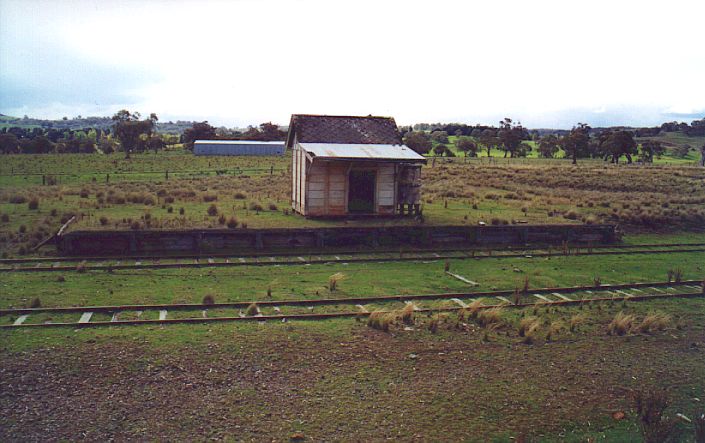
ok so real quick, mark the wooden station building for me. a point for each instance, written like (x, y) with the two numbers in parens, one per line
(345, 165)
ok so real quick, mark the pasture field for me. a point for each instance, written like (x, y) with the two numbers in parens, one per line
(341, 379)
(248, 192)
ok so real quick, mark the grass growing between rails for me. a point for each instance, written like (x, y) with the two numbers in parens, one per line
(313, 281)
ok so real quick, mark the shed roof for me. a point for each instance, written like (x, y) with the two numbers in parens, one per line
(343, 129)
(358, 151)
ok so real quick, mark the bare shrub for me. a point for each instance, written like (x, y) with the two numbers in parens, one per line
(655, 427)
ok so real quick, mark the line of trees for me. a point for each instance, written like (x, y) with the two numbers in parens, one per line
(582, 141)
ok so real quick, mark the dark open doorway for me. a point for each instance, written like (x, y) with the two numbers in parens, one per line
(361, 192)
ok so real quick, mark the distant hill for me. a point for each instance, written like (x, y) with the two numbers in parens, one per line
(79, 123)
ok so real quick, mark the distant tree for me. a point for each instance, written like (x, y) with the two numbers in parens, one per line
(418, 141)
(523, 150)
(38, 145)
(86, 146)
(155, 143)
(548, 146)
(682, 151)
(489, 140)
(615, 144)
(466, 145)
(106, 145)
(129, 129)
(439, 137)
(9, 143)
(199, 131)
(510, 136)
(441, 150)
(575, 143)
(651, 149)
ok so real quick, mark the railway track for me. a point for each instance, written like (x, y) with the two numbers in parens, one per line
(67, 264)
(326, 308)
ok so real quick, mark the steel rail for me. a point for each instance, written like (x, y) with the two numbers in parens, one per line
(117, 267)
(333, 251)
(343, 314)
(342, 301)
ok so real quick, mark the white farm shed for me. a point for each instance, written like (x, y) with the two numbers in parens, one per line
(344, 165)
(237, 147)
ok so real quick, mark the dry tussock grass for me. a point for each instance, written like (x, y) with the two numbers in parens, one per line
(621, 324)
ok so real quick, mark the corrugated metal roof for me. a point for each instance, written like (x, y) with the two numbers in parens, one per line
(362, 151)
(238, 142)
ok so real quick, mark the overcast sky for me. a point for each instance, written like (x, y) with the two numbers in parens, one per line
(235, 63)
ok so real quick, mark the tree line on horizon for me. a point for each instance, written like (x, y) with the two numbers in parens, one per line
(581, 141)
(129, 133)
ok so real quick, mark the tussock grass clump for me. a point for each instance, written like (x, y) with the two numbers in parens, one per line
(334, 279)
(33, 204)
(272, 207)
(576, 321)
(104, 220)
(379, 320)
(528, 324)
(210, 198)
(597, 282)
(473, 308)
(35, 303)
(674, 275)
(257, 207)
(554, 329)
(81, 267)
(5, 218)
(212, 210)
(232, 223)
(407, 314)
(621, 324)
(208, 299)
(222, 219)
(252, 310)
(492, 316)
(657, 321)
(239, 195)
(18, 199)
